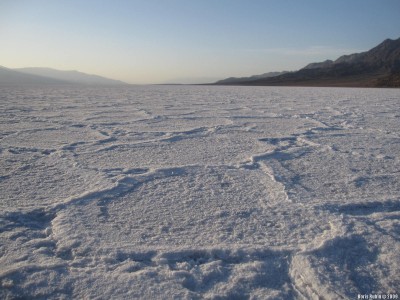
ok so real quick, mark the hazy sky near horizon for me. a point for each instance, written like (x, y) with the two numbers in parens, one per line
(159, 41)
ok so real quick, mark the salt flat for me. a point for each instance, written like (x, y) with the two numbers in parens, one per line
(188, 192)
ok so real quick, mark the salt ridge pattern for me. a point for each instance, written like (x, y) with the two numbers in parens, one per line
(197, 192)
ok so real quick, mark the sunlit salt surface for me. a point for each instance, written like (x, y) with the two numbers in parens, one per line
(192, 192)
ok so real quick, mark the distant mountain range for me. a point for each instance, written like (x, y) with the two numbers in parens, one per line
(378, 67)
(251, 78)
(47, 76)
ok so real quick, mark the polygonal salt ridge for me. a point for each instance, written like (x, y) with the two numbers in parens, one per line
(203, 275)
(29, 234)
(36, 219)
(231, 254)
(40, 180)
(235, 211)
(125, 184)
(181, 152)
(363, 208)
(340, 268)
(52, 138)
(211, 269)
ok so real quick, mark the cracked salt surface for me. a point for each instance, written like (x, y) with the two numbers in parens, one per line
(199, 192)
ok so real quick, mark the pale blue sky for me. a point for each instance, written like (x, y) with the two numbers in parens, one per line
(157, 41)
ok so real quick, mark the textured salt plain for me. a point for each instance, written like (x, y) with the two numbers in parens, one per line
(163, 192)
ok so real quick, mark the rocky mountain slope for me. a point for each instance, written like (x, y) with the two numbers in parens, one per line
(254, 77)
(378, 67)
